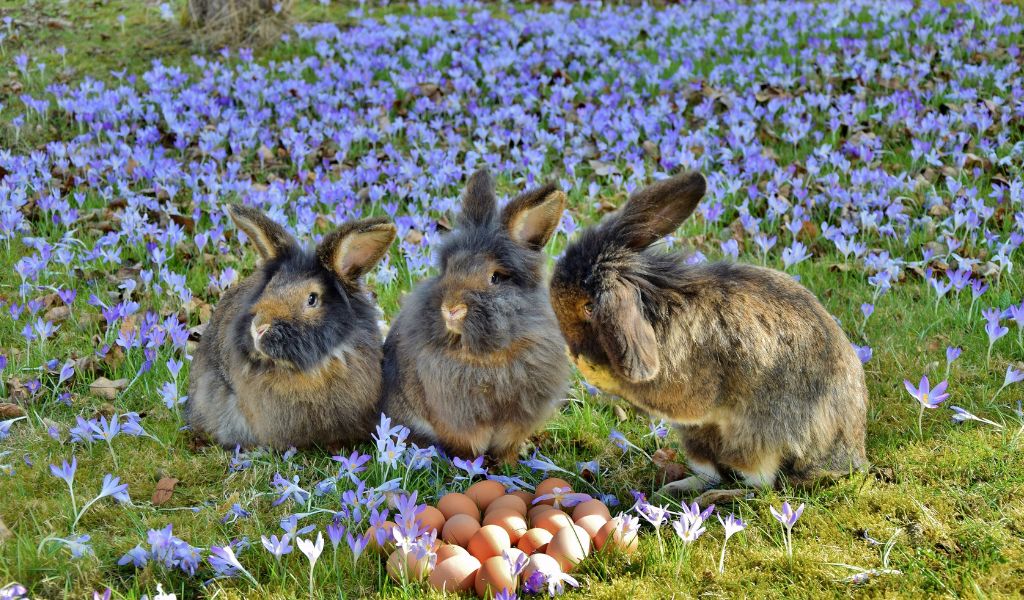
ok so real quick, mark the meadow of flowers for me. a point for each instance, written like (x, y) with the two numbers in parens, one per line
(871, 149)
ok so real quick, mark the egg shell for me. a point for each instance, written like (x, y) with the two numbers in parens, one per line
(389, 540)
(447, 551)
(431, 519)
(458, 504)
(591, 507)
(592, 524)
(508, 502)
(404, 566)
(610, 536)
(548, 485)
(457, 574)
(489, 541)
(459, 529)
(495, 575)
(534, 540)
(523, 495)
(537, 510)
(552, 520)
(569, 547)
(511, 521)
(485, 492)
(513, 554)
(543, 563)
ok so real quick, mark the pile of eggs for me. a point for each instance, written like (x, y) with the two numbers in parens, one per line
(477, 528)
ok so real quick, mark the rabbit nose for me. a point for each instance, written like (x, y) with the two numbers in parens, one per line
(454, 316)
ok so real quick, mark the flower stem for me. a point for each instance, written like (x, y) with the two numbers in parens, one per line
(721, 557)
(920, 417)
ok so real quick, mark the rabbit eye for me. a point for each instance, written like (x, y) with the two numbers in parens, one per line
(498, 277)
(588, 310)
(312, 300)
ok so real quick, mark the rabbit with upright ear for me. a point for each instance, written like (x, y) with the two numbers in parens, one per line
(291, 356)
(474, 362)
(756, 376)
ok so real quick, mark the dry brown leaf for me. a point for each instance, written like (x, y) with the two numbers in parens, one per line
(10, 411)
(671, 472)
(57, 314)
(663, 456)
(5, 533)
(620, 413)
(107, 389)
(164, 490)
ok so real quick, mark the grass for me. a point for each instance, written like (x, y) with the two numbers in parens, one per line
(950, 502)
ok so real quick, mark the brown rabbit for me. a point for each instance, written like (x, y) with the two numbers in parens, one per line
(756, 376)
(474, 362)
(292, 354)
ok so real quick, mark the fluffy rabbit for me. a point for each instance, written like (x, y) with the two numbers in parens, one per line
(292, 354)
(755, 375)
(474, 362)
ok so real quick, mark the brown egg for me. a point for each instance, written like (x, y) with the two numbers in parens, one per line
(548, 485)
(404, 566)
(458, 504)
(543, 563)
(611, 536)
(534, 540)
(389, 540)
(590, 507)
(457, 574)
(511, 521)
(431, 519)
(489, 541)
(485, 492)
(495, 575)
(569, 546)
(447, 551)
(459, 529)
(537, 509)
(552, 520)
(508, 501)
(523, 495)
(592, 524)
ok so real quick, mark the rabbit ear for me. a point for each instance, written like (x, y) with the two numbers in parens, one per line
(355, 248)
(531, 218)
(626, 336)
(659, 209)
(479, 203)
(271, 240)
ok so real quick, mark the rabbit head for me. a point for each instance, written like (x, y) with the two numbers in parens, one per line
(303, 308)
(606, 287)
(491, 267)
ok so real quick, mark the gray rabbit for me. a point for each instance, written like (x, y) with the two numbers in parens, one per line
(756, 376)
(291, 356)
(474, 362)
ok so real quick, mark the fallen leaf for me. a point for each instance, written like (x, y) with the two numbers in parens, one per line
(57, 314)
(10, 411)
(164, 490)
(5, 533)
(671, 472)
(107, 389)
(663, 456)
(620, 413)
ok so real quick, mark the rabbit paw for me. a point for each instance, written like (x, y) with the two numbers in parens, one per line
(722, 496)
(689, 485)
